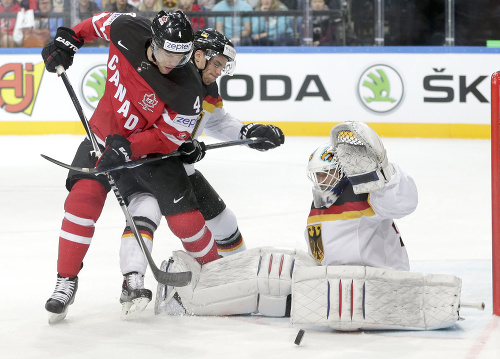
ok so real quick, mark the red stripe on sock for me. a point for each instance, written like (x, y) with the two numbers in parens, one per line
(190, 224)
(200, 244)
(79, 230)
(85, 200)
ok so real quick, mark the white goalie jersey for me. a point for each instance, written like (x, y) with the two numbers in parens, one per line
(358, 229)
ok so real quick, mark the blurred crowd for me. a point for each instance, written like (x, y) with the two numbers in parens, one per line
(269, 22)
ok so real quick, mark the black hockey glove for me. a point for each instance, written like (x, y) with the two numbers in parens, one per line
(62, 50)
(273, 134)
(117, 152)
(192, 151)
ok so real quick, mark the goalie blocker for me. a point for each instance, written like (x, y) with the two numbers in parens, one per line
(346, 298)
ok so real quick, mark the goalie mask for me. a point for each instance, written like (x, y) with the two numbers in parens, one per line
(326, 175)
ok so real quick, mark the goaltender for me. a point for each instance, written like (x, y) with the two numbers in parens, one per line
(355, 275)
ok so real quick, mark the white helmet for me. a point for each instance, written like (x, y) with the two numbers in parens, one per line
(327, 177)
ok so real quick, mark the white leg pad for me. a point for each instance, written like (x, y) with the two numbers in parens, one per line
(354, 297)
(255, 281)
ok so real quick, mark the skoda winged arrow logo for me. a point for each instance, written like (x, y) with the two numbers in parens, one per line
(380, 88)
(93, 85)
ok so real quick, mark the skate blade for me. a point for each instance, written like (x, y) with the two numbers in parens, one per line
(56, 318)
(160, 296)
(132, 309)
(167, 304)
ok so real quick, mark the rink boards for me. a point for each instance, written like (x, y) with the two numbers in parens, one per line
(430, 92)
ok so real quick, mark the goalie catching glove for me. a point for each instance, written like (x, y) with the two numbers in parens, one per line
(362, 156)
(62, 50)
(273, 134)
(117, 152)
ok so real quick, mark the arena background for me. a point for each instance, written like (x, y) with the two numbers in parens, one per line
(429, 92)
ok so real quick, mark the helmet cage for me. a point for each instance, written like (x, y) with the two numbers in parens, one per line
(324, 170)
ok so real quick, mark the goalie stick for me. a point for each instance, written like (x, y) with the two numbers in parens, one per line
(153, 157)
(173, 279)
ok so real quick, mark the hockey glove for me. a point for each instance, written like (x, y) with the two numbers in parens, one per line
(62, 50)
(362, 156)
(117, 152)
(192, 151)
(273, 134)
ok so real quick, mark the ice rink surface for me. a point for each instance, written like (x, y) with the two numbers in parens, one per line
(450, 232)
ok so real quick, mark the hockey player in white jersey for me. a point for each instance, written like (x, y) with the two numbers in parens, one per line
(356, 275)
(351, 221)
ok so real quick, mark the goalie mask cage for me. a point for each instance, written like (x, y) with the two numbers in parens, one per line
(495, 188)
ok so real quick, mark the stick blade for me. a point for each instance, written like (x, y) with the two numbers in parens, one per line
(179, 279)
(64, 165)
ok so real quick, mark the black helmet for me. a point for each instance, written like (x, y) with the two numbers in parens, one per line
(212, 42)
(172, 32)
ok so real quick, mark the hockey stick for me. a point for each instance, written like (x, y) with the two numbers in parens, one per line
(174, 279)
(152, 158)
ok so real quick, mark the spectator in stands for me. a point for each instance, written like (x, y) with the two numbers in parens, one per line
(120, 6)
(272, 30)
(105, 3)
(29, 4)
(170, 5)
(7, 25)
(207, 5)
(58, 5)
(150, 7)
(323, 28)
(44, 28)
(253, 3)
(237, 29)
(291, 4)
(134, 3)
(197, 23)
(87, 8)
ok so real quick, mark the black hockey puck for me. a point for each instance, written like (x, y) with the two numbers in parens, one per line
(298, 338)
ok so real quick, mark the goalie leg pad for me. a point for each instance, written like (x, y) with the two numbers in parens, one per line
(353, 297)
(255, 281)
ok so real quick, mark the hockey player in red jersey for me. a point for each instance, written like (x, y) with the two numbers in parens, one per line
(357, 195)
(150, 105)
(213, 56)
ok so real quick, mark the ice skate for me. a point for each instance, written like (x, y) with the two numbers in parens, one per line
(167, 300)
(62, 297)
(134, 297)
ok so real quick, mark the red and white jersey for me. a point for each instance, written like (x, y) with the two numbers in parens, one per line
(155, 112)
(360, 229)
